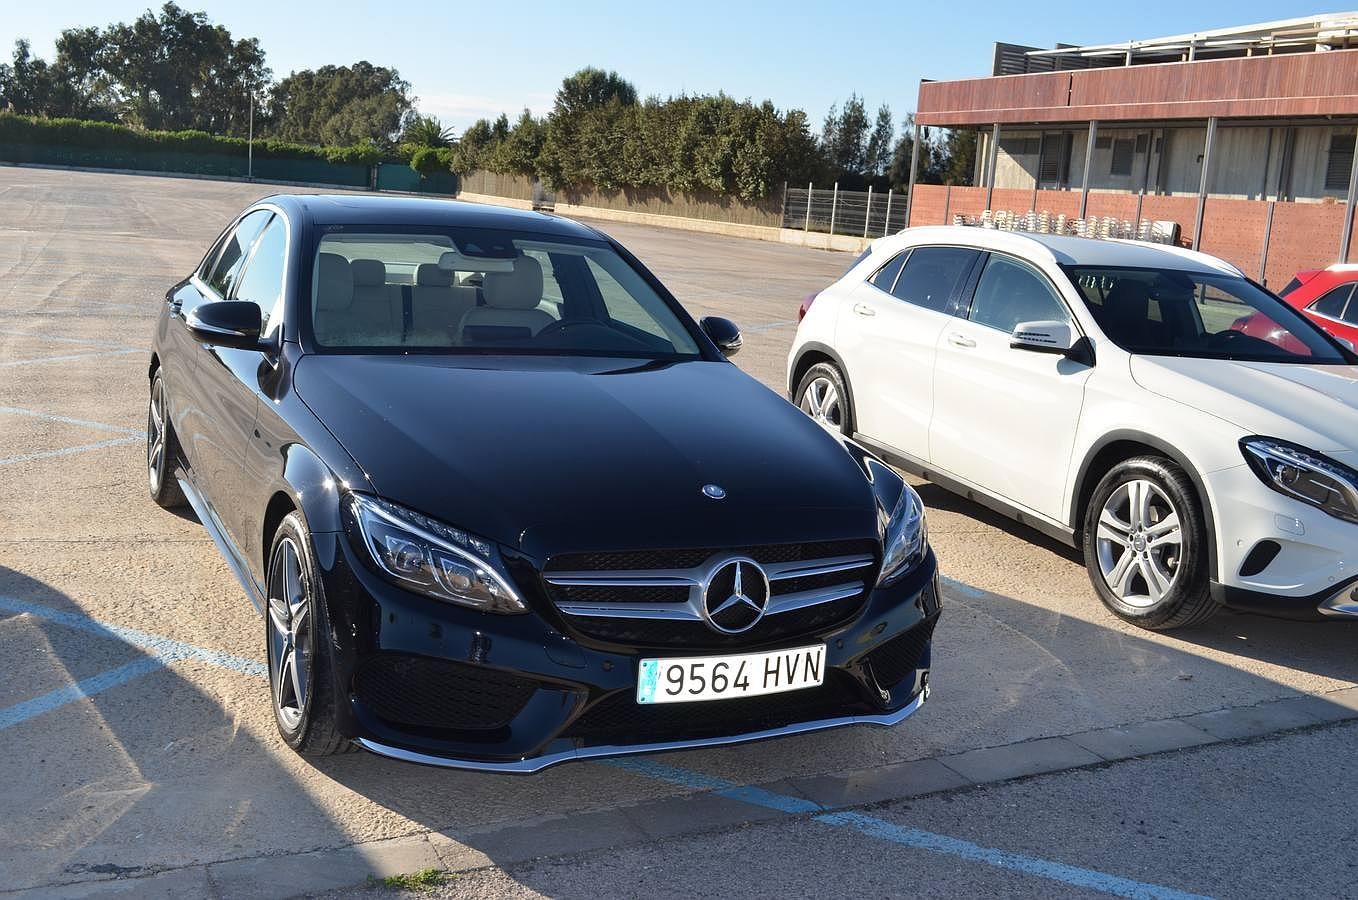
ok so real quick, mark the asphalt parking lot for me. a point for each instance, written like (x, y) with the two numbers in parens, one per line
(141, 756)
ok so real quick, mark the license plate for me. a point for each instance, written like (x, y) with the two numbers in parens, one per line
(684, 680)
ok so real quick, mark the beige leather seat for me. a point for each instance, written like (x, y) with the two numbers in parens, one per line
(512, 300)
(376, 305)
(334, 300)
(436, 305)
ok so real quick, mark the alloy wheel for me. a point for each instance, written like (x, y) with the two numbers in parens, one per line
(290, 636)
(1140, 543)
(821, 401)
(155, 437)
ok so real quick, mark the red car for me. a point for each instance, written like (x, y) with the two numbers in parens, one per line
(1325, 296)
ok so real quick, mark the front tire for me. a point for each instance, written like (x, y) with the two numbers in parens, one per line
(162, 449)
(297, 635)
(1145, 545)
(824, 396)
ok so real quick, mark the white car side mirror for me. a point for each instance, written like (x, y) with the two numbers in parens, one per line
(1043, 337)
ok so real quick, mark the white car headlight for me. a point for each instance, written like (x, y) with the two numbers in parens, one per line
(1304, 475)
(425, 555)
(905, 537)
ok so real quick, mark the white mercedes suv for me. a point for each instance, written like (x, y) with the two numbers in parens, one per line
(1106, 393)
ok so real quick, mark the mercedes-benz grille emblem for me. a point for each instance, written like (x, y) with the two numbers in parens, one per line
(736, 596)
(714, 491)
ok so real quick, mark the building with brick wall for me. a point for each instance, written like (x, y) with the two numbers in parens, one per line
(1240, 141)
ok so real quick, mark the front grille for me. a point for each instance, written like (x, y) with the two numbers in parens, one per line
(424, 692)
(636, 610)
(619, 719)
(666, 633)
(897, 659)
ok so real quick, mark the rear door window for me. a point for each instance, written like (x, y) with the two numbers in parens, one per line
(1333, 302)
(885, 277)
(932, 275)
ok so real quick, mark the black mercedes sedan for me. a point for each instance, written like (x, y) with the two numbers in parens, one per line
(502, 503)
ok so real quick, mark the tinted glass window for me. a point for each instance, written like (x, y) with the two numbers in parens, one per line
(237, 247)
(1166, 312)
(1332, 303)
(488, 291)
(886, 275)
(1291, 286)
(931, 274)
(1010, 292)
(262, 283)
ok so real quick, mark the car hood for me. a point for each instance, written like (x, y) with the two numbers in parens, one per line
(1312, 405)
(577, 454)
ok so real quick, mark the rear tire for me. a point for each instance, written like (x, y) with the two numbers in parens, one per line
(824, 396)
(297, 640)
(1145, 546)
(162, 449)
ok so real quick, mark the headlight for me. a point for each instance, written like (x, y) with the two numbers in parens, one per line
(905, 537)
(425, 555)
(1304, 475)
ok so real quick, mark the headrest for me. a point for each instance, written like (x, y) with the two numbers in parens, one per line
(334, 282)
(1129, 299)
(519, 289)
(369, 272)
(430, 275)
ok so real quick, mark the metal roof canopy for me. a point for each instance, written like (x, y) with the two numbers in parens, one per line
(1322, 32)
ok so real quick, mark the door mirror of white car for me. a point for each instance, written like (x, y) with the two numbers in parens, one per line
(1043, 337)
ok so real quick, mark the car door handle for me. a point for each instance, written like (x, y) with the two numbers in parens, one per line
(864, 310)
(960, 340)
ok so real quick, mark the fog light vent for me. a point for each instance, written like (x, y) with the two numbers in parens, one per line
(1260, 558)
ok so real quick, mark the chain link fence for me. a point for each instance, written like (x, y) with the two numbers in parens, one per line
(869, 214)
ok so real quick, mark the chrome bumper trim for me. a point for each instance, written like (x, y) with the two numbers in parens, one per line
(538, 763)
(1342, 604)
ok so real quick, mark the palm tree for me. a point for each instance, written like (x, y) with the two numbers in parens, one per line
(427, 131)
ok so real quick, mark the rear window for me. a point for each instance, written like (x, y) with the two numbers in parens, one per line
(1291, 286)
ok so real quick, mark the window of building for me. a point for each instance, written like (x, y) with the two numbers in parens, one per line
(1340, 163)
(1122, 156)
(1053, 168)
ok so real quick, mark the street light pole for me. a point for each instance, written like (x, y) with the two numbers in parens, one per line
(250, 144)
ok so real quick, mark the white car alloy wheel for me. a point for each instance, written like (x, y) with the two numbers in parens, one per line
(1140, 543)
(821, 401)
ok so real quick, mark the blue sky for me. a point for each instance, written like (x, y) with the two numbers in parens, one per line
(466, 61)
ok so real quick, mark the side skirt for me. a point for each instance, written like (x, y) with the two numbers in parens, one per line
(218, 535)
(1052, 530)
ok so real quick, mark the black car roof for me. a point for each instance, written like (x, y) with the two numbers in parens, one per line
(357, 209)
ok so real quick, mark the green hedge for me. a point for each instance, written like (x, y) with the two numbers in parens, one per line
(78, 134)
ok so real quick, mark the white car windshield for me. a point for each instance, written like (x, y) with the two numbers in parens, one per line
(483, 291)
(1165, 312)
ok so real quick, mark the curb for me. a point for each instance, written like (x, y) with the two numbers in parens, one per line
(567, 834)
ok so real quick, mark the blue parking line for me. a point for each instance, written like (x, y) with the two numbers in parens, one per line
(164, 649)
(67, 451)
(907, 837)
(67, 420)
(107, 345)
(66, 357)
(85, 687)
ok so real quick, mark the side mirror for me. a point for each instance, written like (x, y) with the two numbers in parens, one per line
(1052, 337)
(226, 323)
(724, 333)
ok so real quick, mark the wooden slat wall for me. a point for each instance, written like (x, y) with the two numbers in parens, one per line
(1302, 84)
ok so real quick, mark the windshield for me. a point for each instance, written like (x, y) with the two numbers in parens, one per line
(483, 291)
(1165, 312)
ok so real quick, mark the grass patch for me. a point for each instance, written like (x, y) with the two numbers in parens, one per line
(423, 880)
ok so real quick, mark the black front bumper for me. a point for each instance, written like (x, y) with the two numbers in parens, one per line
(430, 682)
